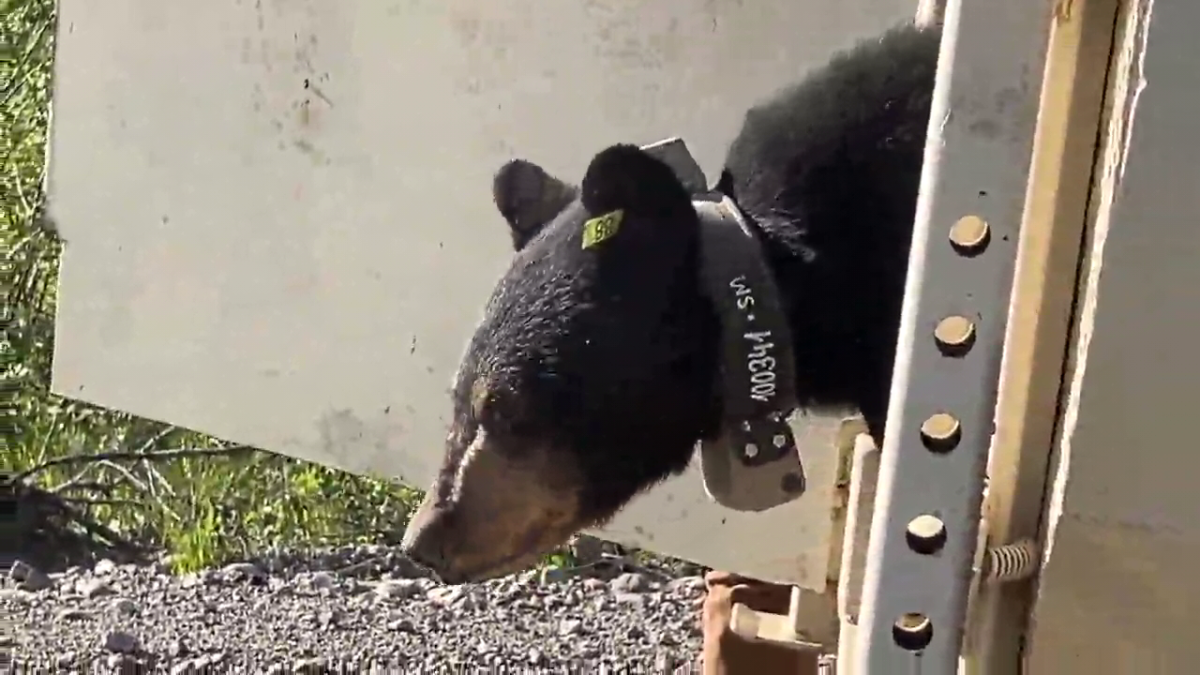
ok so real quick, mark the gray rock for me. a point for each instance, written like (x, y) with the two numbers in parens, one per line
(631, 582)
(321, 581)
(400, 625)
(447, 596)
(121, 663)
(315, 665)
(121, 643)
(686, 586)
(73, 614)
(123, 607)
(94, 588)
(242, 571)
(570, 627)
(178, 648)
(398, 589)
(633, 599)
(594, 584)
(16, 596)
(328, 618)
(29, 578)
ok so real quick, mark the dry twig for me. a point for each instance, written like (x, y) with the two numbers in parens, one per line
(140, 455)
(58, 519)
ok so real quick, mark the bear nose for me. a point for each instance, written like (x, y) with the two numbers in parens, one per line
(425, 538)
(430, 559)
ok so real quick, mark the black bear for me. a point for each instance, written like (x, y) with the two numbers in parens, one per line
(593, 372)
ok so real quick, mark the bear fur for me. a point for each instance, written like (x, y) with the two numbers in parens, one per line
(593, 373)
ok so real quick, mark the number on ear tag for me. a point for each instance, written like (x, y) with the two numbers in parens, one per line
(602, 228)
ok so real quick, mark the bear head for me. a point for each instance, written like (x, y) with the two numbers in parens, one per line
(591, 375)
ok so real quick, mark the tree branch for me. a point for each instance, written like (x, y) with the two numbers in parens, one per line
(148, 455)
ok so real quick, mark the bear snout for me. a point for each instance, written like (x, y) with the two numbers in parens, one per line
(425, 538)
(498, 513)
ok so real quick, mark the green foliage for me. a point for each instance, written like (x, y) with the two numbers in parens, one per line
(204, 507)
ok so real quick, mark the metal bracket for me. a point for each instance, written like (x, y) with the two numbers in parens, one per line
(775, 628)
(803, 626)
(674, 153)
(812, 620)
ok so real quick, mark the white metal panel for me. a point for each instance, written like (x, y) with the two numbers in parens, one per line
(278, 217)
(1119, 591)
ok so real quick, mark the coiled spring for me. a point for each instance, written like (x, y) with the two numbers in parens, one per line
(1010, 562)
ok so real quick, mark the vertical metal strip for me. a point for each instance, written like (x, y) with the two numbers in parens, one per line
(1045, 283)
(923, 533)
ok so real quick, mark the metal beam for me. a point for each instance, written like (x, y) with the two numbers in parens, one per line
(1040, 316)
(931, 482)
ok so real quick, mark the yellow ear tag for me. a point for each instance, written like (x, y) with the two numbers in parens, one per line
(601, 228)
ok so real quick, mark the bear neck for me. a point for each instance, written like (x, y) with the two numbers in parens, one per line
(836, 268)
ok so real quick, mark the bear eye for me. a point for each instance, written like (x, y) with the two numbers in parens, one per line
(492, 409)
(501, 413)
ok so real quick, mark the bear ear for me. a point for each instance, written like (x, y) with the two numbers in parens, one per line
(626, 177)
(528, 198)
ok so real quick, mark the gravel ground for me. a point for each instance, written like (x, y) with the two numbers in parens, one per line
(354, 610)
